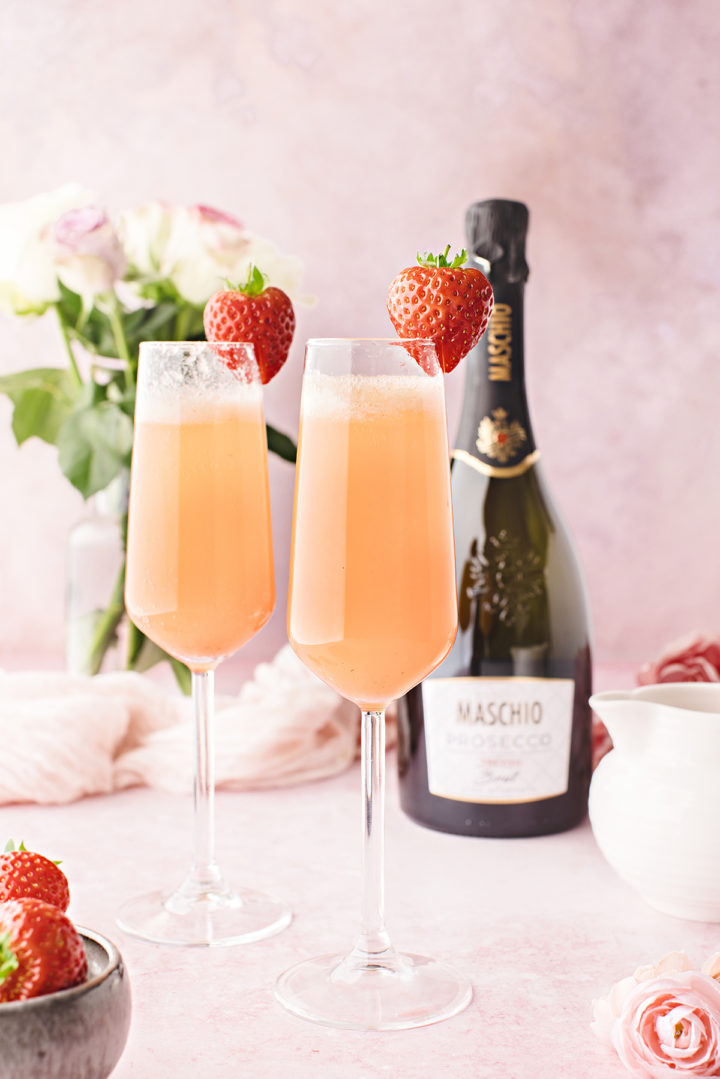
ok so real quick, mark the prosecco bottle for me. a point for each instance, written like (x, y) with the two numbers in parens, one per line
(497, 742)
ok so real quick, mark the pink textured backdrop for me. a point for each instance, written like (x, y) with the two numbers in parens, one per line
(352, 133)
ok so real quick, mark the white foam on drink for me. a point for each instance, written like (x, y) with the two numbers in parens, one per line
(366, 396)
(197, 404)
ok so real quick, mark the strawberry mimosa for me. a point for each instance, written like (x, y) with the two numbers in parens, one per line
(199, 584)
(372, 610)
(200, 574)
(372, 595)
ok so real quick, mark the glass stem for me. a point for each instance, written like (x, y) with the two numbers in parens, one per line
(204, 871)
(373, 939)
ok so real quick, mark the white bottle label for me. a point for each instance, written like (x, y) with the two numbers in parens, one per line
(498, 739)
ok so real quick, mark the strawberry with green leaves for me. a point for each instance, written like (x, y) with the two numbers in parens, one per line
(252, 313)
(443, 301)
(40, 950)
(25, 873)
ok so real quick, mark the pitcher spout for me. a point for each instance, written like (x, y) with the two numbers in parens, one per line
(626, 717)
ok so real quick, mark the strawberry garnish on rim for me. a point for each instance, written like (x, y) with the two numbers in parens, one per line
(262, 316)
(442, 300)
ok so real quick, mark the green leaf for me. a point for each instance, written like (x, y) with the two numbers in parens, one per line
(183, 677)
(144, 654)
(189, 324)
(94, 444)
(8, 959)
(254, 284)
(122, 396)
(70, 303)
(281, 444)
(428, 259)
(44, 398)
(155, 289)
(135, 644)
(150, 323)
(96, 333)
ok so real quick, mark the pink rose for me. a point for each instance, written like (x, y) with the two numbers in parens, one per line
(711, 966)
(607, 1010)
(692, 659)
(601, 741)
(211, 216)
(665, 1019)
(671, 1026)
(87, 253)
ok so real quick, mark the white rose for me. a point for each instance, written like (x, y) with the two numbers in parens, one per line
(144, 233)
(194, 247)
(282, 271)
(199, 248)
(204, 248)
(87, 252)
(28, 275)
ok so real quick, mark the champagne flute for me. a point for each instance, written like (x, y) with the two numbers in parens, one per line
(372, 610)
(200, 583)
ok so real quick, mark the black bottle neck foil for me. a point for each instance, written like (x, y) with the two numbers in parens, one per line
(494, 433)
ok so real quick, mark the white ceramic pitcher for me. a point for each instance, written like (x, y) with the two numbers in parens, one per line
(655, 798)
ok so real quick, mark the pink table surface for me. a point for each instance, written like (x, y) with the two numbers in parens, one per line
(541, 926)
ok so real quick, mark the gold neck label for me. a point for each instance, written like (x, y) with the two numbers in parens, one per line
(493, 470)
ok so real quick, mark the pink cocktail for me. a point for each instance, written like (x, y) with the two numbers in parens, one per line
(200, 577)
(372, 610)
(200, 584)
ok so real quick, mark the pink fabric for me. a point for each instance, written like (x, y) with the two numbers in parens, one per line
(66, 736)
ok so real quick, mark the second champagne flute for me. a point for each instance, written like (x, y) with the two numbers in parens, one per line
(372, 610)
(200, 583)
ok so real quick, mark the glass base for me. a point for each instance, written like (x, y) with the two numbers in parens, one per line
(203, 917)
(398, 992)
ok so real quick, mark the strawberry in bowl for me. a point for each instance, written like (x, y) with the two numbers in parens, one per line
(444, 301)
(25, 873)
(40, 950)
(64, 993)
(262, 316)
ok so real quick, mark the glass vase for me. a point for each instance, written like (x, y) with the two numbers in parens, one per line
(95, 618)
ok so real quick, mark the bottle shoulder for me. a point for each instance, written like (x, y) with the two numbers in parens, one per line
(528, 488)
(519, 579)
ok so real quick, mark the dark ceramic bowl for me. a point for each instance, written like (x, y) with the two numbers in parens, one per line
(78, 1033)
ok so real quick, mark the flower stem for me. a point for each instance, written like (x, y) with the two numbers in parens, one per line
(68, 345)
(121, 340)
(107, 625)
(182, 322)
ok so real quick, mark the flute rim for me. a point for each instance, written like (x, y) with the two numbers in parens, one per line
(199, 344)
(371, 340)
